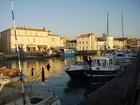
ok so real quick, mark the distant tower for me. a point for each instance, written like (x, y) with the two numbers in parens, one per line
(104, 36)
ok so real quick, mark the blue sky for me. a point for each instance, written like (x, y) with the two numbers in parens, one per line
(72, 17)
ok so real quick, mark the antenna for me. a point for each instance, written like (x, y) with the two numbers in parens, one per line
(21, 79)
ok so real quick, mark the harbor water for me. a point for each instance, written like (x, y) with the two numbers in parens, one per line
(57, 80)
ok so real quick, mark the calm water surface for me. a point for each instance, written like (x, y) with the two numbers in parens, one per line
(69, 91)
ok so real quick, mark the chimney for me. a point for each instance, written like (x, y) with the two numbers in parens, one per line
(43, 28)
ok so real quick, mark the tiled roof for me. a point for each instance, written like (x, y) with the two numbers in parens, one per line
(72, 41)
(120, 39)
(83, 35)
(99, 39)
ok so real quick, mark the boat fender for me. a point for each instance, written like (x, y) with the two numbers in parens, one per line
(32, 71)
(43, 76)
(48, 66)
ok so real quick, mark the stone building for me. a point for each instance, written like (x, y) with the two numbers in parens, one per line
(70, 44)
(28, 40)
(100, 44)
(85, 42)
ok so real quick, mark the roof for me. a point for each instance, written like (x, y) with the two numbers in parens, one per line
(120, 39)
(83, 35)
(72, 41)
(99, 39)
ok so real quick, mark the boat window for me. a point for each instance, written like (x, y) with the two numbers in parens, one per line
(99, 62)
(120, 55)
(107, 62)
(94, 62)
(110, 61)
(104, 63)
(75, 63)
(81, 63)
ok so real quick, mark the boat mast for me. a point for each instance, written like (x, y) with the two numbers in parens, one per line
(107, 44)
(122, 30)
(16, 40)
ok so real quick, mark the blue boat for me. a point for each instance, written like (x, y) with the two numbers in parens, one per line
(67, 52)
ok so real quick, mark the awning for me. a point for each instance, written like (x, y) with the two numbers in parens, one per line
(42, 46)
(20, 45)
(31, 45)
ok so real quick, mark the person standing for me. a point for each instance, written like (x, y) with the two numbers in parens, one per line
(85, 58)
(90, 61)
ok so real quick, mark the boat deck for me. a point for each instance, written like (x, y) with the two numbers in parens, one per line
(119, 91)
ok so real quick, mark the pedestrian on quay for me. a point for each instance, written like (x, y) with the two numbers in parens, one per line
(90, 61)
(85, 58)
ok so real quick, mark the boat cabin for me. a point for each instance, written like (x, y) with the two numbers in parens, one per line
(102, 61)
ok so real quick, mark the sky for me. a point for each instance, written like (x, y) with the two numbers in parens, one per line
(70, 18)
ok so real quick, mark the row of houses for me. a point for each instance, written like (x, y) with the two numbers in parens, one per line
(90, 42)
(36, 40)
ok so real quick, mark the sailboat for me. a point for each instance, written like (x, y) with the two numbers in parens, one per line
(26, 97)
(121, 56)
(103, 68)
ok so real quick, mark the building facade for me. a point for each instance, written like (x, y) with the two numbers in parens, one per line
(70, 44)
(29, 40)
(85, 42)
(100, 44)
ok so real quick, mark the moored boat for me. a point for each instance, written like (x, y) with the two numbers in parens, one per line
(67, 52)
(102, 70)
(30, 97)
(25, 97)
(76, 70)
(9, 72)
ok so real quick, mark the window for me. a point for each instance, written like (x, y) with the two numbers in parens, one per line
(28, 40)
(53, 39)
(33, 40)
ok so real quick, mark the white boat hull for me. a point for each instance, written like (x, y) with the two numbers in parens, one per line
(31, 98)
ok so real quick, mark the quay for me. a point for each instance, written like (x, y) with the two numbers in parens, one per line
(122, 90)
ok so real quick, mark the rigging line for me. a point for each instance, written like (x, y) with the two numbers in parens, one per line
(34, 77)
(16, 40)
(33, 81)
(29, 82)
(21, 17)
(4, 61)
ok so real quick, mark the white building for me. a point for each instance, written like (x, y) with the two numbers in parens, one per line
(109, 42)
(29, 39)
(100, 44)
(85, 42)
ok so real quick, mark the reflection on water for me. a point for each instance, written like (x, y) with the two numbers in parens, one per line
(70, 91)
